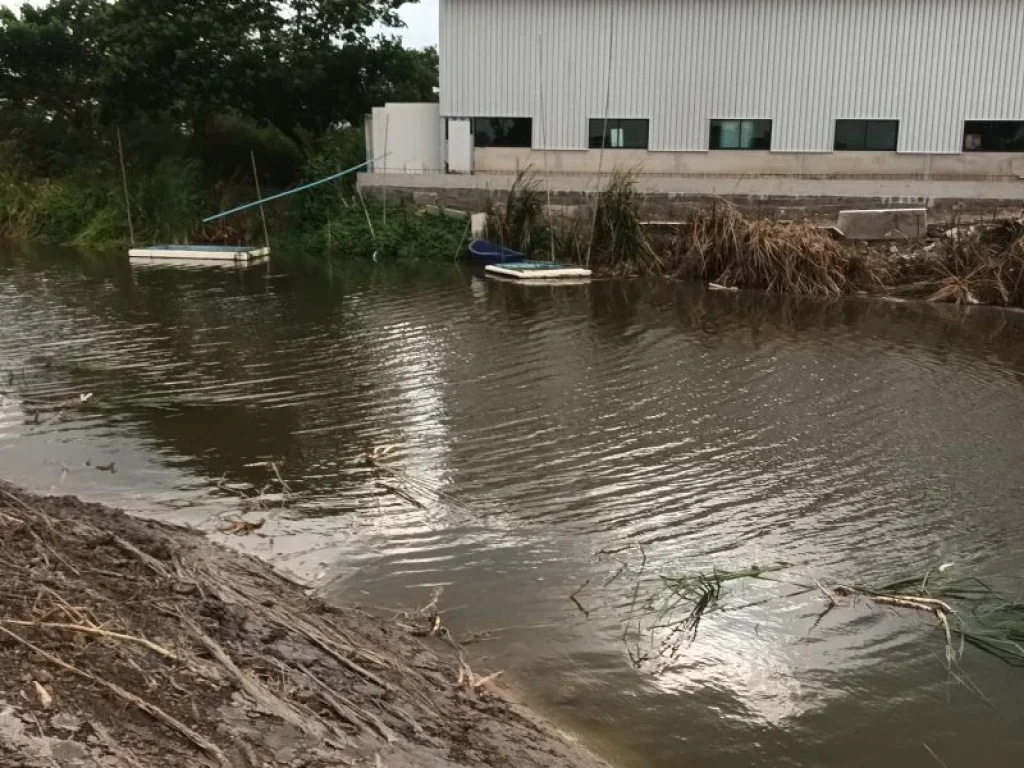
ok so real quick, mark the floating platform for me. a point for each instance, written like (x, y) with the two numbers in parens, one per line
(536, 270)
(232, 254)
(145, 262)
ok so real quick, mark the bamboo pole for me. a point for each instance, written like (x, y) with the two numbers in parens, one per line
(544, 141)
(288, 192)
(259, 196)
(387, 125)
(604, 133)
(124, 184)
(365, 211)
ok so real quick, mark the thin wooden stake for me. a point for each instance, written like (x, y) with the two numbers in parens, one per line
(259, 196)
(544, 140)
(124, 183)
(604, 134)
(330, 250)
(368, 220)
(387, 124)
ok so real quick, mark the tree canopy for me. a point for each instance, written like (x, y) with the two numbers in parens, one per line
(292, 68)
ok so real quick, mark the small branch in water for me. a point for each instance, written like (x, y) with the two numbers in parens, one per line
(284, 486)
(932, 753)
(577, 603)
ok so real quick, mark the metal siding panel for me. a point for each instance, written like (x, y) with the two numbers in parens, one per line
(929, 63)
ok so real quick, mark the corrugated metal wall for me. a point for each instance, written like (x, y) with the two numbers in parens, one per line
(931, 64)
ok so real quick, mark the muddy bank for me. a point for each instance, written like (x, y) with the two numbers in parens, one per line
(126, 642)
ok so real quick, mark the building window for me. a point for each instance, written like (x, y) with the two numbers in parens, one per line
(741, 134)
(502, 132)
(870, 135)
(994, 136)
(618, 134)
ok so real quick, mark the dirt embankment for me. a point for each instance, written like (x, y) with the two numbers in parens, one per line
(131, 643)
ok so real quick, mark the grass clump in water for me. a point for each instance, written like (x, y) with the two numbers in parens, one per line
(967, 610)
(718, 244)
(983, 264)
(619, 241)
(520, 222)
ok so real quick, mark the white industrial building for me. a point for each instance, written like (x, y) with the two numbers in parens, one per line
(898, 89)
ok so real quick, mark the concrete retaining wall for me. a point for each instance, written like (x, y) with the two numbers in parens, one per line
(1008, 166)
(789, 198)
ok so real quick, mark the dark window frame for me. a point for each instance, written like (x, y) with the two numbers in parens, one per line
(506, 141)
(866, 125)
(716, 138)
(605, 126)
(979, 130)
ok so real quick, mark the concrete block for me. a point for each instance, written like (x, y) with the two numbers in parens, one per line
(478, 225)
(443, 210)
(424, 198)
(884, 224)
(562, 211)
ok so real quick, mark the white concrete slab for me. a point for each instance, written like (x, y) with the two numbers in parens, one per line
(229, 253)
(884, 224)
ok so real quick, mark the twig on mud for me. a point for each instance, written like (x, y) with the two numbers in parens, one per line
(313, 635)
(95, 631)
(307, 722)
(151, 709)
(481, 681)
(65, 606)
(151, 562)
(239, 527)
(120, 751)
(16, 500)
(347, 711)
(470, 678)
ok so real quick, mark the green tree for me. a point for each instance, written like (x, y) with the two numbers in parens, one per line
(279, 68)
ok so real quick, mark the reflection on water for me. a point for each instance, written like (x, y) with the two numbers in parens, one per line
(537, 429)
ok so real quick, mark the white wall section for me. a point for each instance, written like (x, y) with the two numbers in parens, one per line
(931, 64)
(410, 134)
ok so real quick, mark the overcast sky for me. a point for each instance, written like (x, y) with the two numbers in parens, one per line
(420, 18)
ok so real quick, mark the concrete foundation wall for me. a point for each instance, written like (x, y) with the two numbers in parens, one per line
(787, 197)
(748, 163)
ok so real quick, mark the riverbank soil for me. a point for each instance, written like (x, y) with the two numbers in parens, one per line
(126, 642)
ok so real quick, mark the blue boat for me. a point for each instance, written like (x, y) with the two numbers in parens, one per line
(485, 252)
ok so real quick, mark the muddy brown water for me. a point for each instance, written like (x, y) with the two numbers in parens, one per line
(547, 438)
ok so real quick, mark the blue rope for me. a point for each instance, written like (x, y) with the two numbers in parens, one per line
(287, 192)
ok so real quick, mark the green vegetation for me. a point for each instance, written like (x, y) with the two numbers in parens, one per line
(194, 87)
(361, 229)
(979, 263)
(610, 235)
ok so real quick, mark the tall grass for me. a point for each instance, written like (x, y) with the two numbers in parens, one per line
(520, 222)
(719, 244)
(611, 238)
(88, 208)
(167, 201)
(619, 241)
